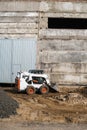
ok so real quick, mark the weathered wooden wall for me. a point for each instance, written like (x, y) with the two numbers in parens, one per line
(18, 18)
(63, 52)
(60, 52)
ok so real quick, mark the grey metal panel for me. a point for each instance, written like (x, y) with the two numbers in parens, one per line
(15, 69)
(24, 54)
(5, 61)
(16, 55)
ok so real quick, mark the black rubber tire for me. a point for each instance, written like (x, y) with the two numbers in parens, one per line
(44, 89)
(30, 90)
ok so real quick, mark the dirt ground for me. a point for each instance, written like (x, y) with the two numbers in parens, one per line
(68, 107)
(41, 126)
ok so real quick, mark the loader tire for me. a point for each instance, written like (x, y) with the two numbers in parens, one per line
(30, 90)
(44, 89)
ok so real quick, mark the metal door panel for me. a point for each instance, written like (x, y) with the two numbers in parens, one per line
(24, 53)
(5, 61)
(15, 53)
(15, 69)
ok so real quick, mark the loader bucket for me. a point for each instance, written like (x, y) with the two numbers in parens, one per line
(54, 87)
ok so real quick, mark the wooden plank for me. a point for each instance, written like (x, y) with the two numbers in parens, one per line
(19, 14)
(68, 7)
(18, 19)
(73, 79)
(44, 6)
(63, 14)
(67, 73)
(62, 45)
(49, 45)
(65, 67)
(18, 25)
(11, 36)
(19, 5)
(62, 56)
(62, 34)
(14, 31)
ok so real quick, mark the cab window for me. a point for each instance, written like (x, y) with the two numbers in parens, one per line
(38, 80)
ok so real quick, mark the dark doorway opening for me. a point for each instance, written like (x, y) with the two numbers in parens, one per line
(67, 23)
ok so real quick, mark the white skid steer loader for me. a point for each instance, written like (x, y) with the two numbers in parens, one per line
(33, 81)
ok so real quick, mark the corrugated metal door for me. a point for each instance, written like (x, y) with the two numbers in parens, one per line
(15, 69)
(16, 55)
(5, 61)
(24, 55)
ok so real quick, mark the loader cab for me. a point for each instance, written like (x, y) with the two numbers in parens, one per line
(35, 80)
(38, 80)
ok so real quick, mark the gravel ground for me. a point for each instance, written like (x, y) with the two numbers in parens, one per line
(7, 105)
(43, 126)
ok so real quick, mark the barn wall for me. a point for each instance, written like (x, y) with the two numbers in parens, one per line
(62, 53)
(18, 18)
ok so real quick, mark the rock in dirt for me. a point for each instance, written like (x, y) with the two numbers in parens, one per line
(7, 105)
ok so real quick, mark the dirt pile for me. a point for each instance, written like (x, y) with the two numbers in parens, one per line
(61, 107)
(77, 98)
(71, 98)
(7, 105)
